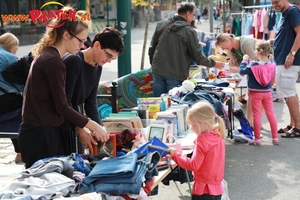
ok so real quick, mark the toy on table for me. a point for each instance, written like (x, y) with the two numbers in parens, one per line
(138, 141)
(187, 86)
(211, 76)
(220, 55)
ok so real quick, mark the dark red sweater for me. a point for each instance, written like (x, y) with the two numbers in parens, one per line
(45, 102)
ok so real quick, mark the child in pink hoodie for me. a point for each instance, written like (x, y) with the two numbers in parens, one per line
(260, 78)
(208, 159)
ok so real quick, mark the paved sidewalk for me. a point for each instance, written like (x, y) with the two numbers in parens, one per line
(8, 168)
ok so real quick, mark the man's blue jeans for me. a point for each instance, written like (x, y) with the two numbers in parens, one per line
(162, 84)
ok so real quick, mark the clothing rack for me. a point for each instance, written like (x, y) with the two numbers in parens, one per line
(254, 7)
(240, 13)
(260, 6)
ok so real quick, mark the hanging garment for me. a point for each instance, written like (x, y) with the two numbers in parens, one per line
(272, 20)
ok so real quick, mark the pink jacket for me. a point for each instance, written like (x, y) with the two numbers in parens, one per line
(207, 164)
(264, 74)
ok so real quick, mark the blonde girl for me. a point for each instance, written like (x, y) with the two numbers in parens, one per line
(9, 42)
(261, 75)
(208, 159)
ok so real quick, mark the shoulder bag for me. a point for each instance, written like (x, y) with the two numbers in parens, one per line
(151, 49)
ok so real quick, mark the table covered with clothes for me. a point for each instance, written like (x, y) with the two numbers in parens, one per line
(129, 176)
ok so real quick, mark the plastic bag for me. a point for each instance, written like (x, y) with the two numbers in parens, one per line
(225, 195)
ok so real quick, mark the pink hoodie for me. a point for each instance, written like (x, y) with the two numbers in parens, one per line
(264, 73)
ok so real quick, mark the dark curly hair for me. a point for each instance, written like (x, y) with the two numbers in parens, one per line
(110, 38)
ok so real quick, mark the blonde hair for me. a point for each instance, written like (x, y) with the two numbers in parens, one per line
(54, 35)
(264, 48)
(8, 41)
(222, 37)
(81, 14)
(203, 112)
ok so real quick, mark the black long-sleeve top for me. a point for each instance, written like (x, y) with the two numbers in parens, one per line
(18, 71)
(82, 82)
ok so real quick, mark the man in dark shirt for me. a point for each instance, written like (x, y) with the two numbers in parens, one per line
(83, 72)
(287, 58)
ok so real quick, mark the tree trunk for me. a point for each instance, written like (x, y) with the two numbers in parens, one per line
(145, 36)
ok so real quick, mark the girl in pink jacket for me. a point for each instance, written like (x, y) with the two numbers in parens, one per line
(261, 75)
(208, 159)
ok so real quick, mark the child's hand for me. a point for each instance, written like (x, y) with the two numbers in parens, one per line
(172, 151)
(245, 57)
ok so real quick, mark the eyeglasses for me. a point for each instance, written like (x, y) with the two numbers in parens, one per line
(80, 40)
(108, 55)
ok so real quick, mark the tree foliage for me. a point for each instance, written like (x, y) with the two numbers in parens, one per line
(144, 3)
(236, 6)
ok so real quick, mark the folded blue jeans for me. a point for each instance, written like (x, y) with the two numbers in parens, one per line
(123, 166)
(122, 175)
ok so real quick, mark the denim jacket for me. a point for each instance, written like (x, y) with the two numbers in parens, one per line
(7, 58)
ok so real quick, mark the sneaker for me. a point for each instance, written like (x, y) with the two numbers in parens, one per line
(275, 141)
(254, 142)
(278, 100)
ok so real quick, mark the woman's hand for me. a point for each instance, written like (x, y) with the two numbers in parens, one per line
(234, 70)
(86, 139)
(100, 133)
